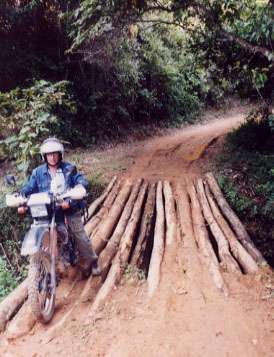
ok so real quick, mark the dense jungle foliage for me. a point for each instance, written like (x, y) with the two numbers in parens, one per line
(90, 71)
(245, 173)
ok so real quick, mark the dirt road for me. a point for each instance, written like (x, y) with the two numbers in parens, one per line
(187, 315)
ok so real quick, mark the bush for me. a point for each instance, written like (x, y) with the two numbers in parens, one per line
(13, 267)
(256, 133)
(13, 228)
(30, 115)
(8, 281)
(246, 178)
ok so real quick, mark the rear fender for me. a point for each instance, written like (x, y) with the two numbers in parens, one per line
(33, 239)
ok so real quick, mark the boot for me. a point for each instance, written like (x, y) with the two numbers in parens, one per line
(93, 269)
(96, 270)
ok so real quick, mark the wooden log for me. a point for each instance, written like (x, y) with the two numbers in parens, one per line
(235, 222)
(113, 278)
(227, 262)
(145, 228)
(95, 204)
(21, 324)
(158, 245)
(130, 231)
(172, 236)
(193, 268)
(122, 255)
(110, 250)
(184, 213)
(203, 242)
(171, 220)
(107, 227)
(98, 218)
(11, 303)
(246, 261)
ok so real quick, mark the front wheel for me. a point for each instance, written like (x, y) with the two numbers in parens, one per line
(39, 290)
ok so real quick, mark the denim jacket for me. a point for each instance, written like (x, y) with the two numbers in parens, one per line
(40, 181)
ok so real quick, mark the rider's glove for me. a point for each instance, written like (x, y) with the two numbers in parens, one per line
(76, 193)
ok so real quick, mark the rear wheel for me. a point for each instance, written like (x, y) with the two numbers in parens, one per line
(39, 290)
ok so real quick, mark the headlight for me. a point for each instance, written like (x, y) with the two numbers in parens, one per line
(39, 211)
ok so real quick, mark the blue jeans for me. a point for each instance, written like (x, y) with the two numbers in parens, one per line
(83, 242)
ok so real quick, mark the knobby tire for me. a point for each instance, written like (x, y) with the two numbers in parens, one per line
(41, 300)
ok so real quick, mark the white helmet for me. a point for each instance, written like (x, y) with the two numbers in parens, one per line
(51, 145)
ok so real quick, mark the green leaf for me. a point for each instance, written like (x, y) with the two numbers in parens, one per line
(23, 167)
(73, 110)
(24, 130)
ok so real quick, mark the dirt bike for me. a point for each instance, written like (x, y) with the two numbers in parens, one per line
(45, 242)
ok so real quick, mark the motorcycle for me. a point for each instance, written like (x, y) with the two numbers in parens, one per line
(45, 242)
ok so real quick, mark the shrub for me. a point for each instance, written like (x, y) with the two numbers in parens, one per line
(13, 267)
(7, 280)
(30, 115)
(13, 228)
(245, 173)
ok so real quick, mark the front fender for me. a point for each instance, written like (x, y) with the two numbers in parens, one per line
(33, 239)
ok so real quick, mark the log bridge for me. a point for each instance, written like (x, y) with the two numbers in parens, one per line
(134, 223)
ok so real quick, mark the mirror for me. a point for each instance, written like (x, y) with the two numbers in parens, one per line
(11, 180)
(71, 171)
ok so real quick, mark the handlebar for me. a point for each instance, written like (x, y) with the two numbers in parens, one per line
(77, 193)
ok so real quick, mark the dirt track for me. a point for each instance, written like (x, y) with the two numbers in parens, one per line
(187, 316)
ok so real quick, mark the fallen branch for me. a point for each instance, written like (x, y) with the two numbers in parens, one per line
(95, 204)
(203, 242)
(247, 262)
(11, 303)
(110, 250)
(145, 229)
(105, 230)
(227, 262)
(158, 246)
(234, 220)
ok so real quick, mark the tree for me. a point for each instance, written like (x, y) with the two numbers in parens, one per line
(33, 39)
(249, 24)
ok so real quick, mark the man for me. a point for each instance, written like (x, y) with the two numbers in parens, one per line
(52, 152)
